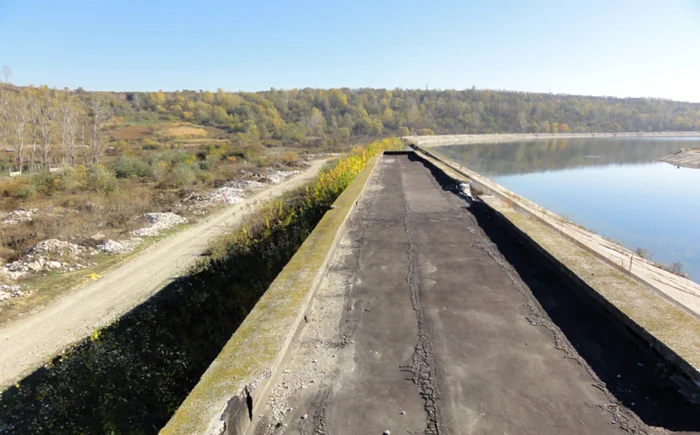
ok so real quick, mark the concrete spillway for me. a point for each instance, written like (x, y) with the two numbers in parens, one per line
(432, 317)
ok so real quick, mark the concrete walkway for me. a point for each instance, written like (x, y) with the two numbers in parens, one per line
(433, 320)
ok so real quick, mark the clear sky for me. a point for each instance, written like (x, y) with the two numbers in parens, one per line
(640, 48)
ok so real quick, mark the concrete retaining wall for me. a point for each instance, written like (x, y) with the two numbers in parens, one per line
(229, 392)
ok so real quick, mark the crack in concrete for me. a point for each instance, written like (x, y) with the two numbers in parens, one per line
(422, 367)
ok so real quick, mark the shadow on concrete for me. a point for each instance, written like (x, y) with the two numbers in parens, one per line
(632, 371)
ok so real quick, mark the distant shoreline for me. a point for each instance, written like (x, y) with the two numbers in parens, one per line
(466, 139)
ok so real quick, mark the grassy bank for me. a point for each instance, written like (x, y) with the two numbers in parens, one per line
(131, 376)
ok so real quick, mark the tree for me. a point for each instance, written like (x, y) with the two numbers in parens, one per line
(4, 116)
(34, 114)
(99, 113)
(19, 112)
(6, 71)
(68, 128)
(46, 121)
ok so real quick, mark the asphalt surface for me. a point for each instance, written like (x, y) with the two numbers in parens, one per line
(432, 319)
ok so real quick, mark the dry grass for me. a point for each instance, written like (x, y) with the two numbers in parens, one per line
(182, 131)
(131, 132)
(79, 216)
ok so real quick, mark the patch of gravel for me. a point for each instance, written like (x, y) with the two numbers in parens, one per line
(159, 222)
(234, 192)
(50, 255)
(18, 216)
(51, 247)
(114, 247)
(11, 291)
(276, 177)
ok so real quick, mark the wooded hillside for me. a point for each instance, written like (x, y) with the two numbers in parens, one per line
(54, 121)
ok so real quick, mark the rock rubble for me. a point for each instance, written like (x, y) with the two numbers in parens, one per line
(159, 222)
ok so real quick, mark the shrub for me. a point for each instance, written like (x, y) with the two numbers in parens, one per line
(18, 188)
(182, 175)
(290, 158)
(45, 182)
(128, 167)
(101, 178)
(149, 144)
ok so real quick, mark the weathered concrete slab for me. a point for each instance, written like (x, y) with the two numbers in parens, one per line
(231, 389)
(661, 307)
(434, 319)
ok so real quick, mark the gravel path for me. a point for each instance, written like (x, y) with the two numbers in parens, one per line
(29, 342)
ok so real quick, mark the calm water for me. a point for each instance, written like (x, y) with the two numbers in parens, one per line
(616, 187)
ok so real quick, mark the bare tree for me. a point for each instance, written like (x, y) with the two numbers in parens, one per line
(4, 115)
(6, 71)
(68, 128)
(19, 112)
(34, 115)
(46, 122)
(99, 113)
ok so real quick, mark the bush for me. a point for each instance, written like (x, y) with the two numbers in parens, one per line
(101, 178)
(45, 182)
(182, 175)
(18, 188)
(149, 144)
(290, 158)
(128, 167)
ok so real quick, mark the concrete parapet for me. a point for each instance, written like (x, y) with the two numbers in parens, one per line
(226, 397)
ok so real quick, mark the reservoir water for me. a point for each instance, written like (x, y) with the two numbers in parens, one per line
(615, 187)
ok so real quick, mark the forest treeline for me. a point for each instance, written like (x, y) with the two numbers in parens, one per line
(59, 118)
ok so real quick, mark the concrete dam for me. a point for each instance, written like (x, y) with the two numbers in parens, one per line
(429, 301)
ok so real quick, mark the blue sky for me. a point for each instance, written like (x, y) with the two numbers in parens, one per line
(648, 48)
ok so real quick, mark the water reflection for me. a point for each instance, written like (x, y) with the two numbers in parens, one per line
(616, 187)
(556, 154)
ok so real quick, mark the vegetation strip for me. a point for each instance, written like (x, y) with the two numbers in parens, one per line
(131, 376)
(259, 343)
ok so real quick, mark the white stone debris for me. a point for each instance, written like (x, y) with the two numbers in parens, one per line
(234, 192)
(114, 247)
(276, 177)
(18, 216)
(50, 255)
(159, 222)
(11, 291)
(59, 247)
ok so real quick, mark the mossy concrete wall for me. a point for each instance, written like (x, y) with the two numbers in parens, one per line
(231, 389)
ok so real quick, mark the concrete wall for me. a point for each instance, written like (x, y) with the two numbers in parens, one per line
(225, 399)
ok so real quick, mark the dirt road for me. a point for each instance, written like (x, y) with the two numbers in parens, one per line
(30, 342)
(433, 319)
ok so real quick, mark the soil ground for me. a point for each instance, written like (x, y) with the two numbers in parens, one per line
(432, 319)
(29, 342)
(689, 158)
